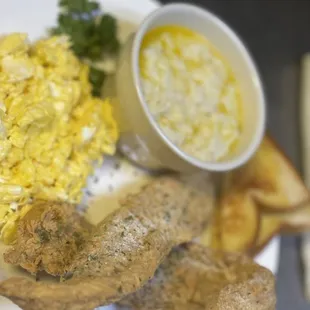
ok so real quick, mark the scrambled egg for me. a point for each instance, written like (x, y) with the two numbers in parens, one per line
(51, 128)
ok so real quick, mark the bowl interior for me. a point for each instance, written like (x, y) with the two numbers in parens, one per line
(233, 50)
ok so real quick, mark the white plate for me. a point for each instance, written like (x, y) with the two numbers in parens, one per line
(33, 17)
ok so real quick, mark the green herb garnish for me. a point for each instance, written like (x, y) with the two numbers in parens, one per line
(96, 77)
(93, 34)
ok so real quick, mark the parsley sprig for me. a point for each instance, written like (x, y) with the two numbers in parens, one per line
(93, 34)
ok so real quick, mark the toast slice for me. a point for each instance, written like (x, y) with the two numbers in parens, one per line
(259, 200)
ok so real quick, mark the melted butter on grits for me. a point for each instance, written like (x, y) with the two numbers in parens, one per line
(191, 92)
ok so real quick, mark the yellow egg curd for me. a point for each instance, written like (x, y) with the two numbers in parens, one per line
(51, 128)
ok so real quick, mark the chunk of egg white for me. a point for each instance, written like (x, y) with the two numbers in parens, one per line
(18, 69)
(15, 190)
(13, 206)
(59, 106)
(2, 130)
(2, 107)
(54, 89)
(88, 132)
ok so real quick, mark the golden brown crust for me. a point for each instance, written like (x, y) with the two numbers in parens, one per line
(197, 278)
(264, 197)
(125, 249)
(48, 238)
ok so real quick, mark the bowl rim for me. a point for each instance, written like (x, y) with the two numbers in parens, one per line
(252, 147)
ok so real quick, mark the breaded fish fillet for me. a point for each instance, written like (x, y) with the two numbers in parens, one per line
(125, 249)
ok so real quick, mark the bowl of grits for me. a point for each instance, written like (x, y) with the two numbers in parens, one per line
(189, 95)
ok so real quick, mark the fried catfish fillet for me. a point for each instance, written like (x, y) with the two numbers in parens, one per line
(125, 249)
(48, 238)
(196, 278)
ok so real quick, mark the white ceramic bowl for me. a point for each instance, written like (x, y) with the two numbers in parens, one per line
(141, 138)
